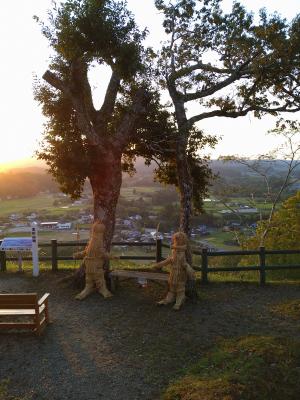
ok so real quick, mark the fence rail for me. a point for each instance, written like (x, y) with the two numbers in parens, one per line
(54, 245)
(205, 254)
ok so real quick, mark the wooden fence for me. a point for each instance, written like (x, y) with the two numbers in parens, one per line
(205, 254)
(54, 245)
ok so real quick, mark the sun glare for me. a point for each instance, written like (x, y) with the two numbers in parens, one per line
(22, 163)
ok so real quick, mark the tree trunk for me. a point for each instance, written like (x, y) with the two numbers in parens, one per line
(185, 185)
(185, 182)
(106, 180)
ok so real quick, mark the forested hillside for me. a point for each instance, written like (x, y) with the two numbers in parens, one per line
(27, 182)
(21, 183)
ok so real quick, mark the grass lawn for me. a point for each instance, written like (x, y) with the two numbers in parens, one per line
(215, 207)
(254, 367)
(46, 236)
(39, 203)
(217, 240)
(32, 204)
(134, 193)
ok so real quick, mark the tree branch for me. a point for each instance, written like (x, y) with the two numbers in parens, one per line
(55, 82)
(240, 113)
(218, 113)
(213, 89)
(81, 86)
(84, 123)
(210, 68)
(105, 112)
(204, 67)
(127, 125)
(236, 74)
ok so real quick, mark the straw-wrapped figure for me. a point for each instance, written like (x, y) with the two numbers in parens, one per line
(94, 256)
(180, 271)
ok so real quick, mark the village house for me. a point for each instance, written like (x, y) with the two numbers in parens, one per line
(48, 225)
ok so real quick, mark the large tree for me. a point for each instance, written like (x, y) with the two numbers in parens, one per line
(225, 65)
(81, 141)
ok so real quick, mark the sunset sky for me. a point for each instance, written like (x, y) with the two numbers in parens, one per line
(25, 52)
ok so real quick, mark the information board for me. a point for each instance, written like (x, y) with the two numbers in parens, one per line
(16, 244)
(20, 244)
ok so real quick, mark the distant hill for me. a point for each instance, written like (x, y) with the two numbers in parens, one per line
(142, 177)
(30, 169)
(32, 179)
(23, 182)
(274, 167)
(21, 164)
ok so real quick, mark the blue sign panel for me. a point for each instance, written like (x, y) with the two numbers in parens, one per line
(16, 244)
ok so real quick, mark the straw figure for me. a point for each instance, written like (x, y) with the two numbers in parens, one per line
(94, 256)
(180, 271)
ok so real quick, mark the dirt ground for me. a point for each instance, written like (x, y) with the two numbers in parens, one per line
(126, 347)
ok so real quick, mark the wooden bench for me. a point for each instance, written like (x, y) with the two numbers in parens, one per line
(17, 306)
(138, 275)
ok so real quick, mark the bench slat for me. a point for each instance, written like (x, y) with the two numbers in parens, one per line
(44, 298)
(17, 312)
(20, 298)
(137, 274)
(21, 309)
(17, 306)
(17, 325)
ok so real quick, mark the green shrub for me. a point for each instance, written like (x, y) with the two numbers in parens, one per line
(251, 368)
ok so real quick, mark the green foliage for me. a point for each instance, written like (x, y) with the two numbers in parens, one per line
(64, 149)
(83, 33)
(284, 231)
(253, 367)
(157, 138)
(200, 170)
(103, 31)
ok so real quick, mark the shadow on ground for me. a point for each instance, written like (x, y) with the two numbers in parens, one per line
(126, 347)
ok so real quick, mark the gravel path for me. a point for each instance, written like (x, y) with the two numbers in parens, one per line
(125, 347)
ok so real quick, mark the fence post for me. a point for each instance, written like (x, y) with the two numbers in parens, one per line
(54, 255)
(2, 261)
(204, 266)
(158, 250)
(262, 262)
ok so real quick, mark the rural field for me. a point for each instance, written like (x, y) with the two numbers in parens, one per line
(42, 203)
(139, 199)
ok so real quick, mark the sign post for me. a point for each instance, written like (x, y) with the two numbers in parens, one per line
(34, 249)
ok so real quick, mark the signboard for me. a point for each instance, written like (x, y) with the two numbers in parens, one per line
(16, 244)
(24, 244)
